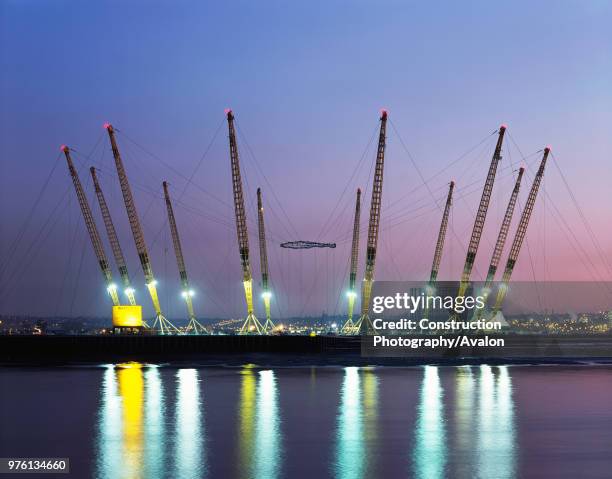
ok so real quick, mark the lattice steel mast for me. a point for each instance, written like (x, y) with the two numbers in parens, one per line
(521, 230)
(364, 324)
(349, 326)
(433, 277)
(251, 323)
(501, 241)
(263, 259)
(435, 267)
(113, 239)
(481, 214)
(94, 236)
(503, 231)
(161, 323)
(193, 326)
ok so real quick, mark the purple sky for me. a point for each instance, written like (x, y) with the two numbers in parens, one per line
(306, 84)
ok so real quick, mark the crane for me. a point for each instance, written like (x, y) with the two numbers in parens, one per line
(348, 326)
(251, 323)
(433, 277)
(519, 236)
(481, 214)
(113, 239)
(161, 324)
(92, 229)
(441, 237)
(193, 326)
(501, 240)
(263, 259)
(364, 324)
(503, 231)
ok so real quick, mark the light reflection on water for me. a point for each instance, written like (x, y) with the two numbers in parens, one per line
(430, 436)
(350, 453)
(496, 454)
(259, 438)
(465, 429)
(189, 454)
(246, 425)
(152, 423)
(356, 434)
(109, 440)
(483, 439)
(268, 448)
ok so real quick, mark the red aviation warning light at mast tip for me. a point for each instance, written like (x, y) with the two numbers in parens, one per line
(161, 323)
(364, 324)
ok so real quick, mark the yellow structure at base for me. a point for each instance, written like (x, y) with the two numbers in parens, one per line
(127, 316)
(248, 294)
(153, 292)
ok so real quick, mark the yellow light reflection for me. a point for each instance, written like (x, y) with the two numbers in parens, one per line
(268, 440)
(246, 422)
(189, 451)
(131, 390)
(350, 456)
(430, 448)
(370, 417)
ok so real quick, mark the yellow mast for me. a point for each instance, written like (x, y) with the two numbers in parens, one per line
(251, 323)
(364, 324)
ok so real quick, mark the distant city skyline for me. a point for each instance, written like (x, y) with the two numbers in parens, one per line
(306, 86)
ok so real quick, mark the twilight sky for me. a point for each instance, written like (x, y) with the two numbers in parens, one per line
(306, 83)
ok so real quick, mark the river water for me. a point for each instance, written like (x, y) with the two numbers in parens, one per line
(145, 421)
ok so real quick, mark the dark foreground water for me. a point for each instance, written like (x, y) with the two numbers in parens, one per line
(143, 421)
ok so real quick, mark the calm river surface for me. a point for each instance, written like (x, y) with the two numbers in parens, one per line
(145, 421)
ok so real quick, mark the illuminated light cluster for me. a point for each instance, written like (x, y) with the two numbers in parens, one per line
(129, 291)
(152, 283)
(190, 293)
(266, 295)
(351, 294)
(111, 288)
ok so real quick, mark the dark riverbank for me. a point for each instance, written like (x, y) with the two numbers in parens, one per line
(286, 350)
